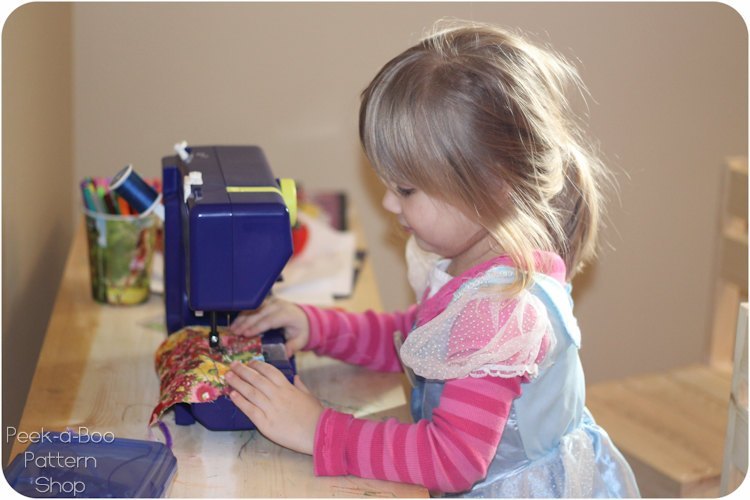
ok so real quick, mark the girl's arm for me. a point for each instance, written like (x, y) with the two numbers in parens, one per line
(359, 338)
(448, 454)
(453, 450)
(363, 338)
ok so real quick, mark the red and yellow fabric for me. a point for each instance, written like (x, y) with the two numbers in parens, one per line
(191, 372)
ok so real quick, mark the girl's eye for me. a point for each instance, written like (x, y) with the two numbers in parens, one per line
(402, 191)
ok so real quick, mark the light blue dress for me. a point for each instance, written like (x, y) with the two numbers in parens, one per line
(551, 446)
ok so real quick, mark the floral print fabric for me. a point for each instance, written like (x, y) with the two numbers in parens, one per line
(191, 372)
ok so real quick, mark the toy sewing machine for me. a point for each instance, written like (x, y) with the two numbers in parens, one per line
(227, 237)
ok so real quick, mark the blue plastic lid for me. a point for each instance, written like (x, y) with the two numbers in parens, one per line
(64, 464)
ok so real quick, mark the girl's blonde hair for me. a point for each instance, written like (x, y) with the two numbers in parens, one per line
(477, 116)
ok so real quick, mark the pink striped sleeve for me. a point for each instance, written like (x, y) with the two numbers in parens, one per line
(449, 453)
(359, 338)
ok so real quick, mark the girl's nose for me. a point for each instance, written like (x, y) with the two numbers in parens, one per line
(390, 202)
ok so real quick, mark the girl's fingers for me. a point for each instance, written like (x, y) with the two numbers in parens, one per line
(248, 323)
(256, 322)
(242, 323)
(253, 412)
(249, 390)
(265, 324)
(269, 372)
(255, 379)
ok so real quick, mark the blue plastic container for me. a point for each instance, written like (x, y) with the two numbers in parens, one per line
(66, 465)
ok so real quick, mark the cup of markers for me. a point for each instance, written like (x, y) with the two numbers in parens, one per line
(121, 243)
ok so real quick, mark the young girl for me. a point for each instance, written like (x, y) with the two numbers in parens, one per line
(487, 171)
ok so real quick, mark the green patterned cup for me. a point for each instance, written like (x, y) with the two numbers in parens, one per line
(121, 249)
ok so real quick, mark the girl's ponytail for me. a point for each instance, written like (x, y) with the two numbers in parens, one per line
(579, 206)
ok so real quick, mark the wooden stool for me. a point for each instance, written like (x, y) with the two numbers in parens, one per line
(671, 426)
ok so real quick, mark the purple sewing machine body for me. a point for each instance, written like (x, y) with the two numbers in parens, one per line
(227, 237)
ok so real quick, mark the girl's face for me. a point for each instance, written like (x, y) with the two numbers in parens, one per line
(439, 227)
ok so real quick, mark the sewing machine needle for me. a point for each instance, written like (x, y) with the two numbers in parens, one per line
(213, 337)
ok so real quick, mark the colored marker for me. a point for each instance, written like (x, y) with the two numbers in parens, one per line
(88, 202)
(98, 203)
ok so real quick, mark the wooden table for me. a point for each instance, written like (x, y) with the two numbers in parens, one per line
(96, 372)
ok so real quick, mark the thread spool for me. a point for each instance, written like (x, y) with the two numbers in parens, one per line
(141, 196)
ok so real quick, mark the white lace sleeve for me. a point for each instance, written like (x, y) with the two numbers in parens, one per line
(482, 332)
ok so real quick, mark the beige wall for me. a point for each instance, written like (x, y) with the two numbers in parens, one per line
(669, 101)
(37, 173)
(669, 91)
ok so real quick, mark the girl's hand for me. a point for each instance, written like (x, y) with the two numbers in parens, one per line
(275, 313)
(286, 414)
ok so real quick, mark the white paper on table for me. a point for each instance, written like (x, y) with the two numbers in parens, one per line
(323, 270)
